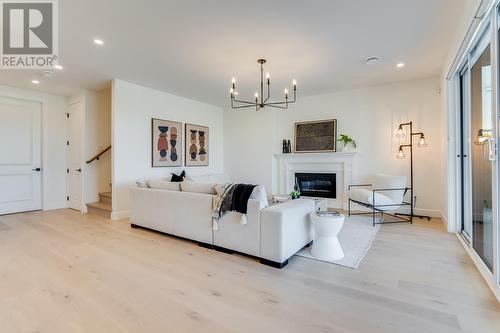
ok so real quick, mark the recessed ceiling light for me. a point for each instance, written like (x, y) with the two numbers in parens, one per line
(58, 67)
(98, 41)
(35, 81)
(400, 65)
(372, 60)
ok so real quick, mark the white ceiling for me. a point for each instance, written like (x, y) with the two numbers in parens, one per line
(193, 48)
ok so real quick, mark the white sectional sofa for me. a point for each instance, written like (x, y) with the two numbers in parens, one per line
(273, 234)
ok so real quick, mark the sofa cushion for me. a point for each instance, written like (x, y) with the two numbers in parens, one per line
(163, 185)
(141, 184)
(219, 178)
(190, 186)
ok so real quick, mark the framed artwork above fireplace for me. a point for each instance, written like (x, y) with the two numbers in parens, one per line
(318, 136)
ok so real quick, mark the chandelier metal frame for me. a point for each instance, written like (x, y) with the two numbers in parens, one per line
(263, 102)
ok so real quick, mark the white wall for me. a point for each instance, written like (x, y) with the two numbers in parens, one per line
(97, 137)
(54, 110)
(133, 106)
(370, 115)
(249, 145)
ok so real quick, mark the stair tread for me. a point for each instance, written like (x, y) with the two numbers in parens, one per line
(105, 194)
(100, 205)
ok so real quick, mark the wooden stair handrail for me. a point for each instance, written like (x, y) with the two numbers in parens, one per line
(96, 157)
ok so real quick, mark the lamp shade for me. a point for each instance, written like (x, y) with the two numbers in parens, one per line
(401, 154)
(422, 142)
(400, 133)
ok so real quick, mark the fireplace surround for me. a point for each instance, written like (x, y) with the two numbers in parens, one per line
(338, 163)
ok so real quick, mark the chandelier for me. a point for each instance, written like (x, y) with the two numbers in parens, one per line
(263, 101)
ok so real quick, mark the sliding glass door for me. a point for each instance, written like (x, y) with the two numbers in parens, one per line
(481, 159)
(476, 150)
(476, 80)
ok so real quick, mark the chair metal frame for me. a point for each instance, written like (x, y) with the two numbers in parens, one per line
(401, 218)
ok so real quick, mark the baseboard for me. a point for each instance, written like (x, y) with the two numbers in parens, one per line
(120, 215)
(481, 267)
(429, 212)
(444, 219)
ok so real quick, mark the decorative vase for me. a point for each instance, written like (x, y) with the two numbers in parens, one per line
(347, 147)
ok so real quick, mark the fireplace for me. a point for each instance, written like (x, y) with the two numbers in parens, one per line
(322, 185)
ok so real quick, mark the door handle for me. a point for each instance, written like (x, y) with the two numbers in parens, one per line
(37, 169)
(491, 149)
(79, 170)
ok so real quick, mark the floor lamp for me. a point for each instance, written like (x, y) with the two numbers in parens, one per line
(401, 155)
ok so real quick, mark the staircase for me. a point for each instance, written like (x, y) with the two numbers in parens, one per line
(102, 207)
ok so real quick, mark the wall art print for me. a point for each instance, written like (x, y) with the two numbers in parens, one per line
(166, 143)
(197, 147)
(316, 136)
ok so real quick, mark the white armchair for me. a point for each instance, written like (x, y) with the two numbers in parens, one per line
(384, 195)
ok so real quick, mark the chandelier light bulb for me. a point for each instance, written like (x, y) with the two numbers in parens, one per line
(422, 142)
(401, 154)
(233, 80)
(256, 95)
(294, 82)
(286, 91)
(231, 90)
(267, 75)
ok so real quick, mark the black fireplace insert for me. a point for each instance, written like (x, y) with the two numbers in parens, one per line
(323, 185)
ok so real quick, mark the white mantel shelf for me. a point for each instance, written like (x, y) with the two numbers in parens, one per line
(339, 163)
(325, 155)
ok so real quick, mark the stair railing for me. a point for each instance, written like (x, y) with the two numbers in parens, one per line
(98, 155)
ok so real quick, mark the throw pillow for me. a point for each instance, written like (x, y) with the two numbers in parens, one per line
(141, 184)
(178, 178)
(164, 185)
(207, 188)
(259, 193)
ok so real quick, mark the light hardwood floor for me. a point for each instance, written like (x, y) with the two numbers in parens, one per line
(61, 271)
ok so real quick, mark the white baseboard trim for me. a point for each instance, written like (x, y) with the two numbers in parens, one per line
(120, 215)
(444, 219)
(429, 212)
(481, 267)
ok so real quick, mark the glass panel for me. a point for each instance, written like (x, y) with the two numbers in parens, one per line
(481, 167)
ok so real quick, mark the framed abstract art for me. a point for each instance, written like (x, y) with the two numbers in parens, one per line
(316, 136)
(197, 145)
(166, 143)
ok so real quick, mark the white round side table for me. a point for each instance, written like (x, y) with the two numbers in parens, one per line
(326, 245)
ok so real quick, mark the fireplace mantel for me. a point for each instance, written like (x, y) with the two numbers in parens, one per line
(339, 163)
(323, 156)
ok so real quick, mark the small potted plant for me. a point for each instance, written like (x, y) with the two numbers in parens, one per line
(348, 143)
(295, 194)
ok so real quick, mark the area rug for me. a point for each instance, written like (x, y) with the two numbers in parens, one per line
(356, 238)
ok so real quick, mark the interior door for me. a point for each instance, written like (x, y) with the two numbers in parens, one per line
(75, 156)
(20, 155)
